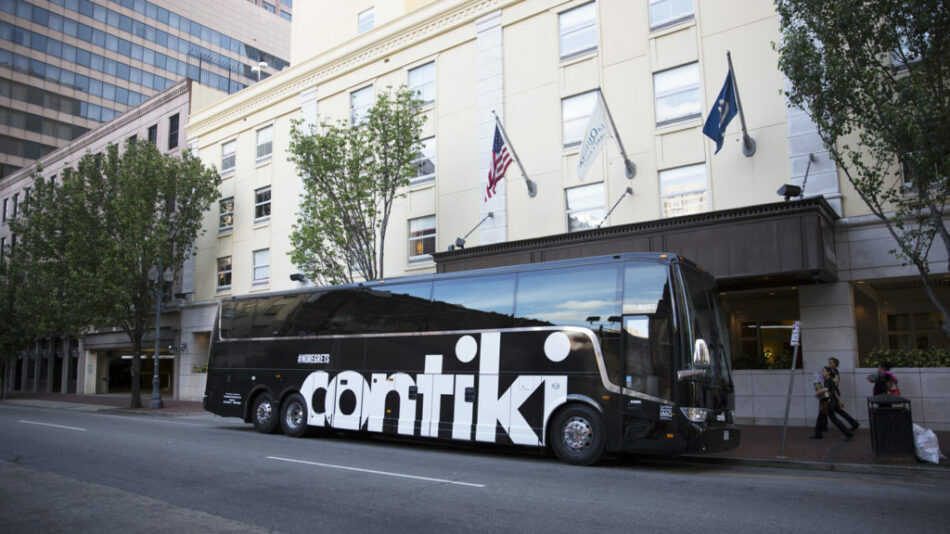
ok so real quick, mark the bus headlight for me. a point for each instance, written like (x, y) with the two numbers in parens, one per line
(696, 415)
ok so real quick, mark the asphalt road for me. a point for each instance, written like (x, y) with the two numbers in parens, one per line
(92, 472)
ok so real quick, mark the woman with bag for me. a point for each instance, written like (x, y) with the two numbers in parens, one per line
(827, 402)
(884, 381)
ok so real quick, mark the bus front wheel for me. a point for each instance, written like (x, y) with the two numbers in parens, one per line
(264, 414)
(293, 416)
(578, 435)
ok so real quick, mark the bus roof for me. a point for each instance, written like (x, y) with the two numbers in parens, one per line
(656, 256)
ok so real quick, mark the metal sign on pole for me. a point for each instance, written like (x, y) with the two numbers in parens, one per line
(796, 330)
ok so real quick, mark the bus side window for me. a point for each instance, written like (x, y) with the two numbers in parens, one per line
(271, 314)
(403, 307)
(242, 320)
(648, 325)
(472, 303)
(308, 317)
(580, 296)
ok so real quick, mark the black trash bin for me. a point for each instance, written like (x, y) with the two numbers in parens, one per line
(892, 431)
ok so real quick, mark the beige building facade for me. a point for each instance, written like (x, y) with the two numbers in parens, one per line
(538, 65)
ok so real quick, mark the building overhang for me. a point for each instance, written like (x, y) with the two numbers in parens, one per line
(783, 243)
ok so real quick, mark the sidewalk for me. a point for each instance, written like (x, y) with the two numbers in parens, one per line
(759, 444)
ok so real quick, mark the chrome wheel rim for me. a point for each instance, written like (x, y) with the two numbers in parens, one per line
(265, 410)
(578, 433)
(295, 415)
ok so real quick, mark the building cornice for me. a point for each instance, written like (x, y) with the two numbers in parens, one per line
(416, 26)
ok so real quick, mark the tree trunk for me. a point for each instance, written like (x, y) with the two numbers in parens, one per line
(136, 401)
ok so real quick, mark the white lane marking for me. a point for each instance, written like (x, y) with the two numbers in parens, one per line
(374, 472)
(54, 426)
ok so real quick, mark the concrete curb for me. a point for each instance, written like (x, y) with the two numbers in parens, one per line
(915, 470)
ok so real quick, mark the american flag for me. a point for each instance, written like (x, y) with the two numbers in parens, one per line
(500, 160)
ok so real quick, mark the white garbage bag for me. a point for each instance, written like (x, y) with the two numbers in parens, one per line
(926, 446)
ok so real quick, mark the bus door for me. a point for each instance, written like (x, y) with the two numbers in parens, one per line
(647, 362)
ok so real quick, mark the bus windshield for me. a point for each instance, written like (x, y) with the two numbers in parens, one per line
(706, 322)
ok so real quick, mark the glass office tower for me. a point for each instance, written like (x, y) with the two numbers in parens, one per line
(69, 65)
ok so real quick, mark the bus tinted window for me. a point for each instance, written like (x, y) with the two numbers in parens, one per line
(581, 296)
(271, 314)
(648, 330)
(470, 303)
(588, 296)
(237, 318)
(403, 307)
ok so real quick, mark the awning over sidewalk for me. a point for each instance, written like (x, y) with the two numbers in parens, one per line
(755, 246)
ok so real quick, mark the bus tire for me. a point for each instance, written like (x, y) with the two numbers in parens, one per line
(293, 416)
(578, 435)
(264, 414)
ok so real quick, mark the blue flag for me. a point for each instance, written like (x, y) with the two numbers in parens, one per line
(722, 112)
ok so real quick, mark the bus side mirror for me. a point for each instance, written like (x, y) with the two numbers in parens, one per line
(701, 353)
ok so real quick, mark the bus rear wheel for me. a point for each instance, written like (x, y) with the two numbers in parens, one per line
(577, 435)
(293, 416)
(264, 414)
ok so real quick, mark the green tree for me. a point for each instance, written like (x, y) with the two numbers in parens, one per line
(873, 76)
(88, 242)
(352, 174)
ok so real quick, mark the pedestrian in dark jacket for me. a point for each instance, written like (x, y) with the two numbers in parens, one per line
(838, 408)
(827, 401)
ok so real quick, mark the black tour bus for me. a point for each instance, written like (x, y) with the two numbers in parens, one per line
(624, 353)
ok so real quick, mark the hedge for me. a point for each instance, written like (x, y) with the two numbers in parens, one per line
(909, 358)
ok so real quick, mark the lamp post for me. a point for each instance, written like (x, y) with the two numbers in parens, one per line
(159, 285)
(260, 67)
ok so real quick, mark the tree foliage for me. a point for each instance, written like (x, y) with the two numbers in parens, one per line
(873, 77)
(87, 242)
(352, 174)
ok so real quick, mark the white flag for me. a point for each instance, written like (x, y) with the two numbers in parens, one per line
(593, 141)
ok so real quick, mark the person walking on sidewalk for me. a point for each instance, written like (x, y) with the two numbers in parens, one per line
(884, 381)
(838, 408)
(827, 401)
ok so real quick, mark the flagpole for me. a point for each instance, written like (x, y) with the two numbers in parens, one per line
(628, 191)
(748, 144)
(532, 187)
(629, 168)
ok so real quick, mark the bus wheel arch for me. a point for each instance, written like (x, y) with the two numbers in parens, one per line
(293, 415)
(577, 433)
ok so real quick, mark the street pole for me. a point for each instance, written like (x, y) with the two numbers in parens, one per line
(791, 383)
(156, 401)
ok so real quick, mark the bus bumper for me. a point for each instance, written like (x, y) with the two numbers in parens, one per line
(714, 438)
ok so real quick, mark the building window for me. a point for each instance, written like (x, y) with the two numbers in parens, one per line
(262, 204)
(153, 134)
(585, 207)
(226, 214)
(173, 131)
(224, 272)
(683, 190)
(668, 12)
(265, 143)
(577, 29)
(575, 112)
(133, 138)
(16, 202)
(916, 331)
(421, 238)
(268, 7)
(365, 21)
(261, 266)
(285, 15)
(3, 247)
(360, 102)
(677, 95)
(765, 345)
(422, 80)
(228, 157)
(4, 218)
(424, 163)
